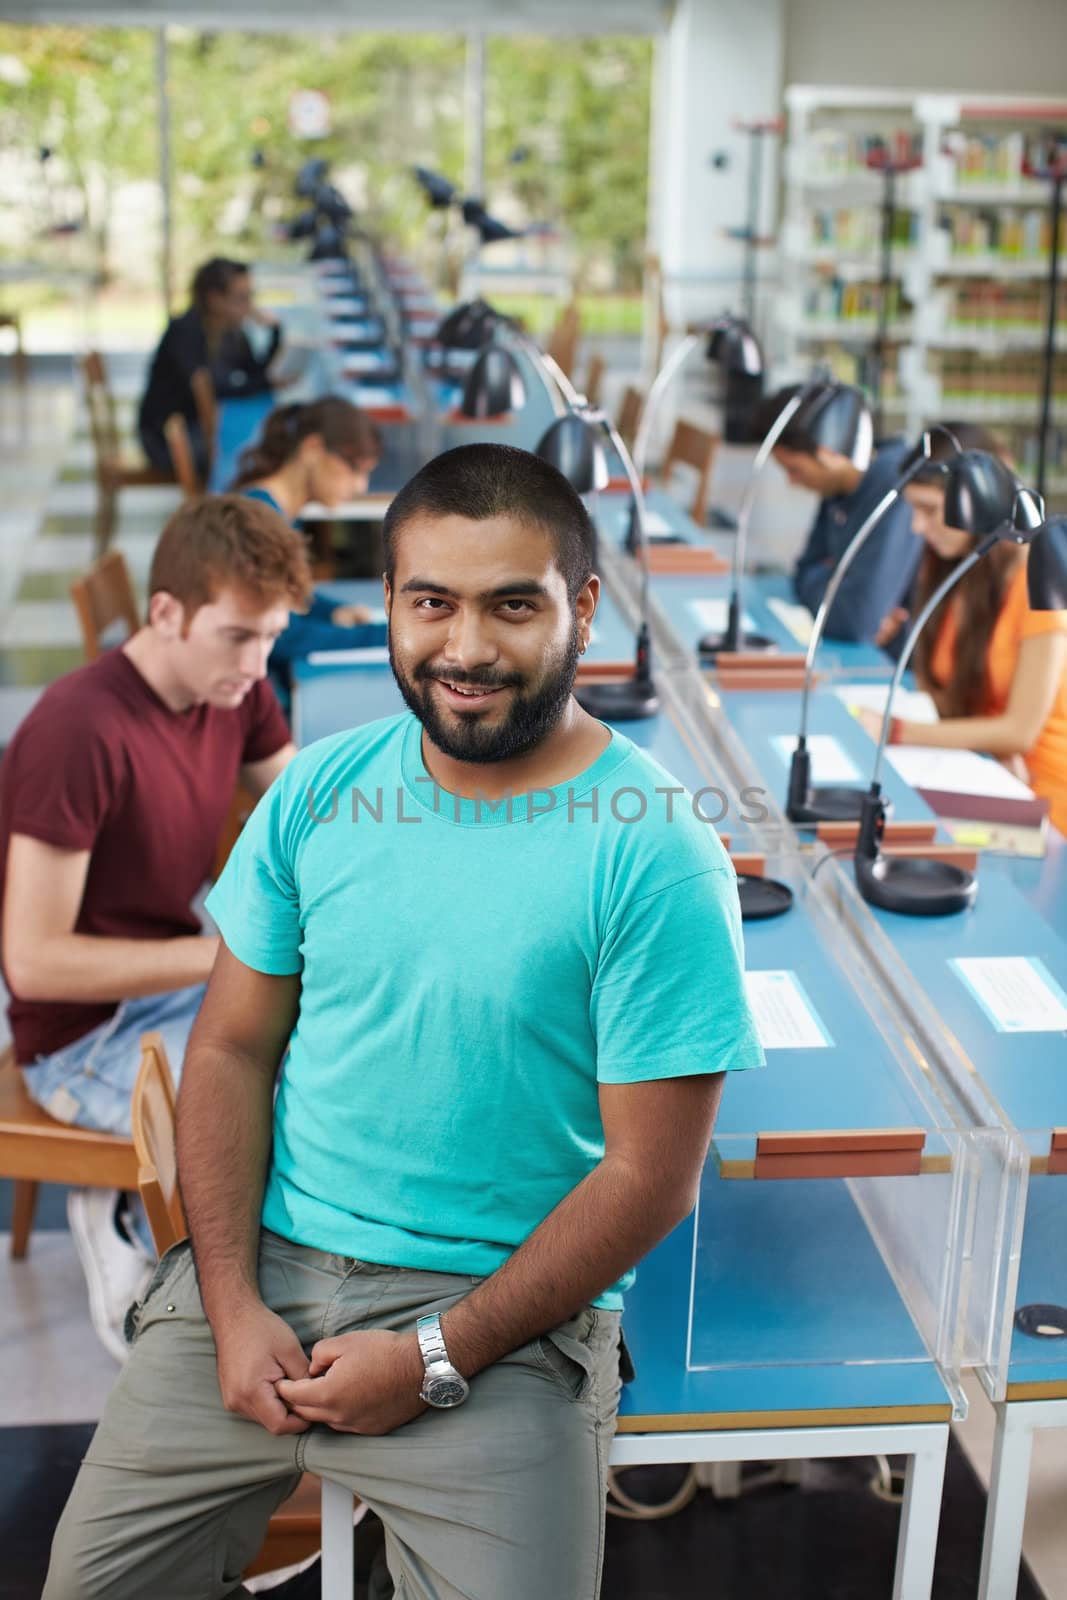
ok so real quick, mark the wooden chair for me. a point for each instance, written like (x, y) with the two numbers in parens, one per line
(104, 596)
(207, 411)
(593, 378)
(562, 343)
(36, 1149)
(295, 1529)
(9, 319)
(629, 417)
(176, 433)
(114, 472)
(697, 448)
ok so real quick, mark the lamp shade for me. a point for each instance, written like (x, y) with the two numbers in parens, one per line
(467, 326)
(494, 384)
(980, 493)
(1046, 573)
(733, 346)
(438, 191)
(836, 416)
(572, 446)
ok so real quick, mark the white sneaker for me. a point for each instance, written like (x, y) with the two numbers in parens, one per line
(115, 1272)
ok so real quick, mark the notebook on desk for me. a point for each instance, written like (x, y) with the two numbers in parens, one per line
(978, 799)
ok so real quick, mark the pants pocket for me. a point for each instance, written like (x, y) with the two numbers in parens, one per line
(161, 1286)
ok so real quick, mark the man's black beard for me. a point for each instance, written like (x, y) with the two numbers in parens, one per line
(531, 719)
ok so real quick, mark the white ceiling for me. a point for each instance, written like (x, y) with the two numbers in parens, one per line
(408, 16)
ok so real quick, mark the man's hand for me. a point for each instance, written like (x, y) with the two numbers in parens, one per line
(260, 315)
(360, 1383)
(891, 625)
(350, 616)
(256, 1349)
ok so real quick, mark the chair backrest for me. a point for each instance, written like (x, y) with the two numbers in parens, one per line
(207, 413)
(562, 345)
(104, 596)
(593, 378)
(176, 433)
(629, 417)
(656, 307)
(103, 419)
(153, 1125)
(693, 447)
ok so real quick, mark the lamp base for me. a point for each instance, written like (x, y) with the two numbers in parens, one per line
(915, 886)
(716, 644)
(762, 898)
(829, 803)
(629, 700)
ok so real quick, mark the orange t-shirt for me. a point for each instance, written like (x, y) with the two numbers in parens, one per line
(1047, 760)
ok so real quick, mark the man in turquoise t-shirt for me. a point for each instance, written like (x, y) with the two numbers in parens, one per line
(503, 952)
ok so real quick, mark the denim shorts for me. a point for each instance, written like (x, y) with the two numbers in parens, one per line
(89, 1083)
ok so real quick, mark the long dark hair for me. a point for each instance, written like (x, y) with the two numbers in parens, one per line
(980, 594)
(342, 427)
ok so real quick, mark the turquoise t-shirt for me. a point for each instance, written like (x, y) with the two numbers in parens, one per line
(470, 973)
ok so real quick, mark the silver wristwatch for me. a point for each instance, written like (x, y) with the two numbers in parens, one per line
(442, 1385)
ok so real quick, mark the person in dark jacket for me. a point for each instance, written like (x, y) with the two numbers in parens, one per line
(210, 335)
(873, 598)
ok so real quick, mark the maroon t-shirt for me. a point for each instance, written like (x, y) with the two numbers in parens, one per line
(102, 764)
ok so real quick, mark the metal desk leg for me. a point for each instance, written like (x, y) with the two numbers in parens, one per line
(919, 1517)
(1002, 1546)
(337, 1577)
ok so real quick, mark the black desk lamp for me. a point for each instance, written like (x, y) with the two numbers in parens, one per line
(494, 385)
(834, 415)
(982, 497)
(842, 803)
(731, 344)
(437, 189)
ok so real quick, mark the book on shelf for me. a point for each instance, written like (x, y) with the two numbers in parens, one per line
(858, 229)
(995, 158)
(845, 152)
(1016, 233)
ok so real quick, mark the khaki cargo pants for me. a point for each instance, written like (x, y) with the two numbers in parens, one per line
(500, 1499)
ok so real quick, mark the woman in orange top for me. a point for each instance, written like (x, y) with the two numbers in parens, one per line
(996, 670)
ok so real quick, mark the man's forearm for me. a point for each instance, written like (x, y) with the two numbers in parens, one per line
(225, 1119)
(82, 967)
(595, 1235)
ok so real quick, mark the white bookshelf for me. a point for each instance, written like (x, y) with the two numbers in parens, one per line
(969, 185)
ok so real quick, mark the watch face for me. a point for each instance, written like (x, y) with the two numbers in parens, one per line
(445, 1391)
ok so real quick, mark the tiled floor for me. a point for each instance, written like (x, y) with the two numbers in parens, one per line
(832, 1538)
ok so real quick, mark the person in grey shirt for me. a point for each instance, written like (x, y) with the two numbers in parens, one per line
(873, 599)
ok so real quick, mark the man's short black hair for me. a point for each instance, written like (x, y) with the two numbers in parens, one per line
(215, 277)
(766, 415)
(479, 481)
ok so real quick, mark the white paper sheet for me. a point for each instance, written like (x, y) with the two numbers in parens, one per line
(370, 656)
(830, 761)
(715, 614)
(795, 619)
(1017, 993)
(960, 771)
(784, 1017)
(913, 705)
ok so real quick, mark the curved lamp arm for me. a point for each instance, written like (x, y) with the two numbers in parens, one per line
(660, 384)
(838, 575)
(634, 477)
(913, 637)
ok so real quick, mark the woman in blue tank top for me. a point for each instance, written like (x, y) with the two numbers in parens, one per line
(323, 451)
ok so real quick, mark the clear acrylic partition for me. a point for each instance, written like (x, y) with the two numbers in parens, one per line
(994, 1205)
(869, 1268)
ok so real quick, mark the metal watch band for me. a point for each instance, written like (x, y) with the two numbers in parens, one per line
(431, 1340)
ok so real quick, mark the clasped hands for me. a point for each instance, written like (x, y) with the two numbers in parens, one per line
(363, 1382)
